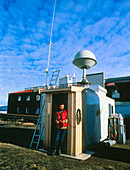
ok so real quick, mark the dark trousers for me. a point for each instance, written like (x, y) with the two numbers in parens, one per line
(61, 132)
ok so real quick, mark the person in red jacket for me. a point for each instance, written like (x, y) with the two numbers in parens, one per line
(62, 124)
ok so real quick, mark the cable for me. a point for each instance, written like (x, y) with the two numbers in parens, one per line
(77, 118)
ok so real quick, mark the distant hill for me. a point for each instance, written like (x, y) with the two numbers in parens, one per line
(3, 108)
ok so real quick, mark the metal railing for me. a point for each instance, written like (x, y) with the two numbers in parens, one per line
(36, 87)
(65, 85)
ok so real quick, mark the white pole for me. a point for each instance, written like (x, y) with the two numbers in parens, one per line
(50, 44)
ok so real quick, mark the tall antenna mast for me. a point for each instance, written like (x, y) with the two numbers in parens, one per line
(50, 44)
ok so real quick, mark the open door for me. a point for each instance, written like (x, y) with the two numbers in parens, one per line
(57, 99)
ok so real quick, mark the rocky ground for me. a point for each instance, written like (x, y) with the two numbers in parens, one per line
(14, 154)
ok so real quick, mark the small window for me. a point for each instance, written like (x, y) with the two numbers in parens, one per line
(37, 97)
(27, 111)
(18, 109)
(110, 111)
(28, 98)
(37, 111)
(19, 98)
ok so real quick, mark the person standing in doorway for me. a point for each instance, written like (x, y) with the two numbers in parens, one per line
(62, 124)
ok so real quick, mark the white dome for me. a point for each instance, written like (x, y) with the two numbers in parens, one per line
(84, 59)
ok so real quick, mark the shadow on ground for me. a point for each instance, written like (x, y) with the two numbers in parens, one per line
(17, 136)
(112, 153)
(22, 137)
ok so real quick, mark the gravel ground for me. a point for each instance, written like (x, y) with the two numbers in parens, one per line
(14, 154)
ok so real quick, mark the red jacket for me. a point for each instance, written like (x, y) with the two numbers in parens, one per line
(62, 116)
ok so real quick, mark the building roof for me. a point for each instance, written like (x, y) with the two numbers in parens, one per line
(118, 80)
(25, 91)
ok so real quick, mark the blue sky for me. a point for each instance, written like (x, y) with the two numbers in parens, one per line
(99, 26)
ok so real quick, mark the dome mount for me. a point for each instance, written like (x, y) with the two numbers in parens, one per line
(84, 59)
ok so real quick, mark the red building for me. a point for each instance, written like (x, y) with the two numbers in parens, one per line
(24, 102)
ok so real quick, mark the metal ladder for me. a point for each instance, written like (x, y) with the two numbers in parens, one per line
(37, 136)
(54, 77)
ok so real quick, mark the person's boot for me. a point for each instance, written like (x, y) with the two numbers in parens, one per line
(54, 152)
(59, 152)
